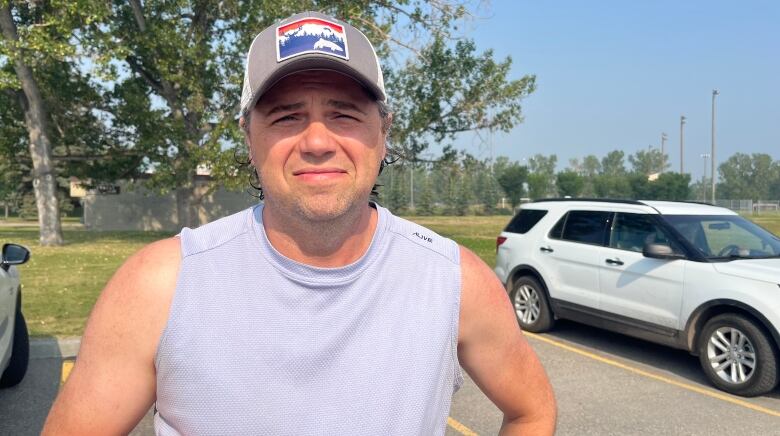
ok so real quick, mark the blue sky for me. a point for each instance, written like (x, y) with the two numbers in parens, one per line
(616, 74)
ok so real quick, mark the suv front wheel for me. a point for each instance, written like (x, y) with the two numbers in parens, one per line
(531, 306)
(737, 355)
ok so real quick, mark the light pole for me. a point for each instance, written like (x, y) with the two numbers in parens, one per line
(663, 152)
(715, 92)
(682, 142)
(411, 186)
(704, 178)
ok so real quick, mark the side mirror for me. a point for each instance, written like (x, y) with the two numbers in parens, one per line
(14, 254)
(660, 251)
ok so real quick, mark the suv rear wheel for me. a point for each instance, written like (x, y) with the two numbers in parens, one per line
(737, 355)
(531, 305)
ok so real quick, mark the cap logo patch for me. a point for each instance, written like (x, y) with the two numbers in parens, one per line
(311, 35)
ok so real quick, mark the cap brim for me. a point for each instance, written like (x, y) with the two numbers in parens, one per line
(308, 63)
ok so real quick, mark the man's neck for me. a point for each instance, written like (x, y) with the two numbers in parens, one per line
(329, 244)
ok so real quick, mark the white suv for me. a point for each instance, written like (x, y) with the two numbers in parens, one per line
(14, 342)
(690, 276)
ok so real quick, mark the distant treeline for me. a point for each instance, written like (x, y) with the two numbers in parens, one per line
(461, 184)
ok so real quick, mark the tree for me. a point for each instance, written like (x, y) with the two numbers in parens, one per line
(746, 176)
(612, 164)
(489, 192)
(46, 146)
(612, 186)
(541, 180)
(590, 166)
(24, 53)
(512, 180)
(668, 186)
(462, 197)
(538, 186)
(673, 187)
(589, 169)
(396, 196)
(449, 89)
(774, 186)
(570, 184)
(425, 205)
(648, 162)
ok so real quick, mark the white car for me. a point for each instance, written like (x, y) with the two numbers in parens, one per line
(687, 275)
(14, 342)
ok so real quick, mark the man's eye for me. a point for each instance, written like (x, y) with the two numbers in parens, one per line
(285, 118)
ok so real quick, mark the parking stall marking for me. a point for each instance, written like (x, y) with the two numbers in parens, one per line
(660, 378)
(67, 367)
(460, 428)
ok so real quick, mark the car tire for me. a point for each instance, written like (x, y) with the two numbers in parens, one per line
(20, 354)
(738, 356)
(532, 308)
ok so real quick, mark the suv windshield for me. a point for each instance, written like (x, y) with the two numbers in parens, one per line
(726, 236)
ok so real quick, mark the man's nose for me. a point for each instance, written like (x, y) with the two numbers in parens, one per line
(317, 139)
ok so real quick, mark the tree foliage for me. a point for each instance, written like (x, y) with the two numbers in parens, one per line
(648, 162)
(512, 180)
(753, 176)
(569, 183)
(43, 86)
(449, 89)
(613, 164)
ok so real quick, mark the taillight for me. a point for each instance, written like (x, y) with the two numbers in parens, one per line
(500, 240)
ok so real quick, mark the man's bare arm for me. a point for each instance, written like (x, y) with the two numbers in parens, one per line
(492, 349)
(113, 381)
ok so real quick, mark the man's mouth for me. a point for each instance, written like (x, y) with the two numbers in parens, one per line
(318, 173)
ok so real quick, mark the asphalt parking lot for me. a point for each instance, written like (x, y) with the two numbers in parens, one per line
(605, 384)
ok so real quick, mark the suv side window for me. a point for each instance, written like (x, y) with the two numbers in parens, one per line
(631, 231)
(525, 220)
(589, 227)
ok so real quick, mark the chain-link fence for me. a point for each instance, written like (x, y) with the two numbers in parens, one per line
(755, 207)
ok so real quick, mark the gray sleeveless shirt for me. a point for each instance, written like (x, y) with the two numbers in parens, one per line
(257, 343)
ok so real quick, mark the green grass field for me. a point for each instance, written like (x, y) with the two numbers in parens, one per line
(60, 284)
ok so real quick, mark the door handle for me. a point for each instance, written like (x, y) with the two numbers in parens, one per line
(614, 261)
(546, 249)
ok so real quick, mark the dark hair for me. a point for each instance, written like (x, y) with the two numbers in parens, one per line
(254, 178)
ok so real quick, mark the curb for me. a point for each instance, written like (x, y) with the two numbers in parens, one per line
(51, 348)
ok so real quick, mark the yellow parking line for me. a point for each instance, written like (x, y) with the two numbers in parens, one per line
(660, 378)
(460, 428)
(67, 366)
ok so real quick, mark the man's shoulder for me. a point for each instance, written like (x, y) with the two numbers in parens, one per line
(216, 233)
(424, 237)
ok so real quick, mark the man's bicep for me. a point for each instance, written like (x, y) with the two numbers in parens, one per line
(492, 349)
(112, 384)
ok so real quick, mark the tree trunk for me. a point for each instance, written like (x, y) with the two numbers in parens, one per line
(35, 115)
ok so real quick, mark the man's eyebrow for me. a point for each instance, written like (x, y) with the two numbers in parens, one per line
(346, 105)
(284, 108)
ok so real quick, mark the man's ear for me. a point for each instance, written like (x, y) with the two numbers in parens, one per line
(242, 122)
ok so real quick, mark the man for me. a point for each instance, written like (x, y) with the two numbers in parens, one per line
(317, 312)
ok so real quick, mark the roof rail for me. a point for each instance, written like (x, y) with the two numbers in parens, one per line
(599, 200)
(703, 203)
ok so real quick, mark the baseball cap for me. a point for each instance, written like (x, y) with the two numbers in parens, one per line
(309, 41)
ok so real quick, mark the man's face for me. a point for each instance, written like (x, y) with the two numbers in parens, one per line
(317, 142)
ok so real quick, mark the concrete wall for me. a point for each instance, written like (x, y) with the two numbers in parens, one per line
(139, 209)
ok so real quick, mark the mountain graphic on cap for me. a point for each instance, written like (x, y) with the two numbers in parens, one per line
(311, 34)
